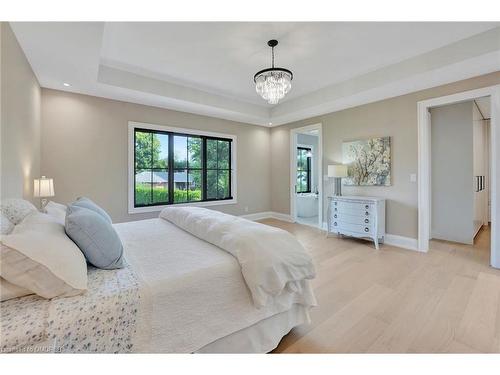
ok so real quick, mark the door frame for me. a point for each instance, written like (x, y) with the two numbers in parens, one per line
(424, 164)
(293, 170)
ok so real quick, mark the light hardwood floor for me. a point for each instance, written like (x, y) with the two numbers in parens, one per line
(398, 301)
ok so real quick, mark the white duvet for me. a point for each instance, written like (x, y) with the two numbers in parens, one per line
(192, 292)
(273, 262)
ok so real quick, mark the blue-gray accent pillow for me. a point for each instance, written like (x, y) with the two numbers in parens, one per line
(95, 236)
(87, 203)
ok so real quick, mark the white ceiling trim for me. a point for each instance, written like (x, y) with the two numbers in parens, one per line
(175, 95)
(452, 73)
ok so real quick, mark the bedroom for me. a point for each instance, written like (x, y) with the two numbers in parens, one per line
(158, 194)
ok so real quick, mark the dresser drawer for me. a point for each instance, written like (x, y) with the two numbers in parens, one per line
(353, 219)
(354, 209)
(357, 205)
(338, 226)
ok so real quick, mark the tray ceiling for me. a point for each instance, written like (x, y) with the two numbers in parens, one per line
(207, 68)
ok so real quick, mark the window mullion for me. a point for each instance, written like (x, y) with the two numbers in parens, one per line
(309, 174)
(230, 191)
(170, 168)
(217, 168)
(151, 165)
(204, 168)
(187, 169)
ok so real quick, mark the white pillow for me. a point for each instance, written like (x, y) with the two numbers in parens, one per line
(9, 290)
(6, 225)
(40, 257)
(16, 209)
(57, 211)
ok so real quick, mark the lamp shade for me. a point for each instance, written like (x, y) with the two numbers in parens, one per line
(43, 187)
(338, 170)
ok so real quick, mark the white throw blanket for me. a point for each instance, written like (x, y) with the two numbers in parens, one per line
(272, 261)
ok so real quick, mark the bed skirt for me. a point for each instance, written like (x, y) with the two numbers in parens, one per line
(263, 336)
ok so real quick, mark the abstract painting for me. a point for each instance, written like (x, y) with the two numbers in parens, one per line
(368, 162)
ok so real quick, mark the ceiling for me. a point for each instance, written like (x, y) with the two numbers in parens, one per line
(208, 68)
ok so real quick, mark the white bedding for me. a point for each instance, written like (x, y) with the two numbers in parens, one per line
(193, 293)
(102, 320)
(178, 294)
(273, 263)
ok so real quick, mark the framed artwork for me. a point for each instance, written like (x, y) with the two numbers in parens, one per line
(368, 162)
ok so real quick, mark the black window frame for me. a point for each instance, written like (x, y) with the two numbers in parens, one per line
(171, 169)
(307, 170)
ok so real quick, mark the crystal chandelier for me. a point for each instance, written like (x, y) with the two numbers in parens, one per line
(273, 83)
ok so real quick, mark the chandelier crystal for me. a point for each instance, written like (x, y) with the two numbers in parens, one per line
(273, 84)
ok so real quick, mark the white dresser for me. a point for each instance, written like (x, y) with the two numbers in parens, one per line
(357, 216)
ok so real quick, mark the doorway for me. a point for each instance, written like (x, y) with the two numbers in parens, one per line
(306, 187)
(460, 176)
(492, 94)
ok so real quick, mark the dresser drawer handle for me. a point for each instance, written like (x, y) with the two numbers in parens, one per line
(366, 229)
(335, 209)
(335, 203)
(367, 213)
(367, 207)
(335, 223)
(335, 216)
(367, 221)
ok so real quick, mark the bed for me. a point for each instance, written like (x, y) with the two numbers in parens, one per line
(177, 294)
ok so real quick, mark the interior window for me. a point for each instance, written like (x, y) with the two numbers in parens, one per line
(303, 170)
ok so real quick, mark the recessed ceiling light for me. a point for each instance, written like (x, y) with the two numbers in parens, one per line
(66, 84)
(270, 123)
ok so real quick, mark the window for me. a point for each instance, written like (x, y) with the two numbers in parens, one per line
(171, 167)
(303, 170)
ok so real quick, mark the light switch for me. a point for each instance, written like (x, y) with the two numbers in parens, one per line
(413, 177)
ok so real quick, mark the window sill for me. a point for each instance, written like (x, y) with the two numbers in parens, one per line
(140, 210)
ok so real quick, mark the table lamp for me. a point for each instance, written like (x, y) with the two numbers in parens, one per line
(337, 171)
(43, 188)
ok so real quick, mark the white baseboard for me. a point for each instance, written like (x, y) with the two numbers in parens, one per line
(280, 216)
(257, 216)
(390, 239)
(395, 240)
(401, 241)
(268, 215)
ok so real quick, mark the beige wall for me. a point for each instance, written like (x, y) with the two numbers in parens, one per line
(85, 150)
(396, 117)
(20, 120)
